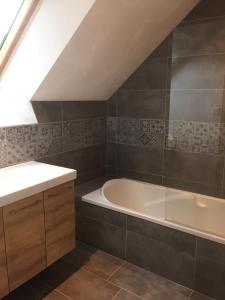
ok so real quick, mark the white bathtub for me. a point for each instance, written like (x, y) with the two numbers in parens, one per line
(196, 214)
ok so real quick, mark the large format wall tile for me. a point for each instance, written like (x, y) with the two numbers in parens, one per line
(47, 111)
(73, 110)
(141, 104)
(101, 214)
(210, 268)
(140, 159)
(207, 37)
(152, 74)
(198, 72)
(97, 233)
(163, 50)
(162, 250)
(207, 9)
(196, 105)
(203, 169)
(89, 162)
(191, 186)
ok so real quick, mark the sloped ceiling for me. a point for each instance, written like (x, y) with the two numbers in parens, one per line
(114, 38)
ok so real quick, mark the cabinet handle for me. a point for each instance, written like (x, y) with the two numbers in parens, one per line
(15, 211)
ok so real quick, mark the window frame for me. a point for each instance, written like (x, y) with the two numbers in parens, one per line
(18, 26)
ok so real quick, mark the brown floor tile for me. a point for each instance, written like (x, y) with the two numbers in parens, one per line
(198, 296)
(54, 295)
(123, 295)
(148, 285)
(94, 260)
(84, 285)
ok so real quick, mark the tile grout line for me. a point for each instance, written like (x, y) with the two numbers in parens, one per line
(117, 293)
(115, 271)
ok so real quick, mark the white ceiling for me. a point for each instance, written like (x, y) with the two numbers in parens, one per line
(114, 38)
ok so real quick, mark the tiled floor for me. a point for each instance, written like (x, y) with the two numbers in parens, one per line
(91, 274)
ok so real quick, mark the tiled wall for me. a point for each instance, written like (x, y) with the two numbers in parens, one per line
(166, 124)
(70, 134)
(184, 258)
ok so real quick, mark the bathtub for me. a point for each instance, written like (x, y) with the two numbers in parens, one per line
(197, 214)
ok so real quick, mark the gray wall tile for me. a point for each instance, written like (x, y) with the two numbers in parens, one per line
(97, 234)
(47, 111)
(210, 268)
(141, 104)
(139, 159)
(196, 105)
(207, 37)
(207, 9)
(198, 72)
(203, 169)
(73, 110)
(150, 75)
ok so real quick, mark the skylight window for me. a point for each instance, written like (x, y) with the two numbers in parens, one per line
(9, 10)
(14, 15)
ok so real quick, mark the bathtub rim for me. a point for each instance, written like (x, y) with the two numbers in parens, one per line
(95, 198)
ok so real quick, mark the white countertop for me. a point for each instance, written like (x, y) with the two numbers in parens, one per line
(26, 179)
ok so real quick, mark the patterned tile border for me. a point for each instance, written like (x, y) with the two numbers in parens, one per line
(35, 141)
(194, 137)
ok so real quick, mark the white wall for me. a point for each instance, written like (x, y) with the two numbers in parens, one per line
(48, 32)
(112, 41)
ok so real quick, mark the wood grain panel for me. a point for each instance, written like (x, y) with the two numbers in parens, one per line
(59, 221)
(4, 288)
(25, 239)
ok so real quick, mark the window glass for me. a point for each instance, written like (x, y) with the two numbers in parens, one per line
(9, 9)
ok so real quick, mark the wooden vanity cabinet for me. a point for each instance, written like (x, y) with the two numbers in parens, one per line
(59, 221)
(4, 288)
(34, 233)
(25, 239)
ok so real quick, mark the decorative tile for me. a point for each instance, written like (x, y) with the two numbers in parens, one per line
(83, 133)
(145, 139)
(15, 135)
(30, 133)
(49, 147)
(3, 155)
(56, 130)
(196, 137)
(2, 135)
(185, 136)
(16, 153)
(44, 131)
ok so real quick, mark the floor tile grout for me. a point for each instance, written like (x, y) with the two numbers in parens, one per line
(117, 293)
(116, 270)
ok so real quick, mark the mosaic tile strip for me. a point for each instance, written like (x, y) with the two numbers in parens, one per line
(196, 137)
(136, 132)
(186, 136)
(35, 141)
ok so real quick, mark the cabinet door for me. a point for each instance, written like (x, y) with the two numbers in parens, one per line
(59, 221)
(4, 289)
(24, 239)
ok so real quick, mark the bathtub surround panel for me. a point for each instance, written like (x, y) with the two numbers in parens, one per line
(194, 262)
(68, 132)
(96, 224)
(210, 268)
(174, 104)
